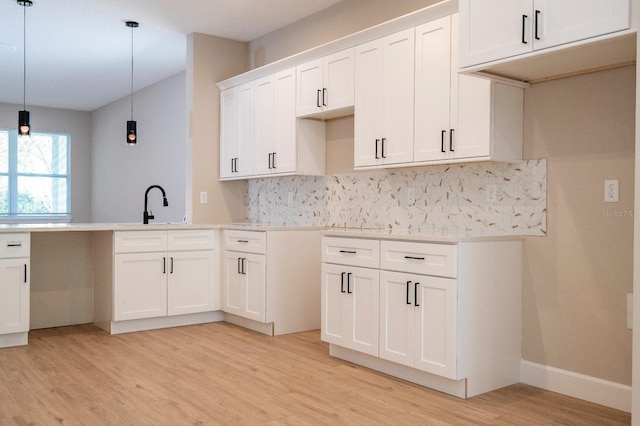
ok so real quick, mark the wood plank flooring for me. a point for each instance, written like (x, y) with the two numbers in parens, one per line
(222, 374)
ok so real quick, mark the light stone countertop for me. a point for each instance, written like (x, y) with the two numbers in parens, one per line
(79, 227)
(385, 234)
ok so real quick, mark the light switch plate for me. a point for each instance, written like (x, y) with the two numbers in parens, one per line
(203, 197)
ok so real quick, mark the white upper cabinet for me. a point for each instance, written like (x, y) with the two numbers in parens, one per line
(498, 29)
(325, 86)
(460, 117)
(236, 132)
(384, 90)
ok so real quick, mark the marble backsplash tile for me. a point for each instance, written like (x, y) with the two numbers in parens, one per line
(443, 199)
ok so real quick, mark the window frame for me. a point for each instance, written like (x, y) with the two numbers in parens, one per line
(12, 174)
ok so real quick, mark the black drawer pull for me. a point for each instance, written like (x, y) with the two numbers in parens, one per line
(348, 251)
(414, 257)
(14, 244)
(242, 241)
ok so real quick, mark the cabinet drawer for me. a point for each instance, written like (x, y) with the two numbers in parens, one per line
(419, 258)
(192, 239)
(245, 241)
(351, 251)
(140, 241)
(15, 245)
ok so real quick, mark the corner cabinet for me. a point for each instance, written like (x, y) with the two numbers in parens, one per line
(384, 91)
(260, 135)
(14, 288)
(448, 315)
(160, 278)
(269, 284)
(498, 29)
(461, 117)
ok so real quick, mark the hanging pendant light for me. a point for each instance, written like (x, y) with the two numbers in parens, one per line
(24, 121)
(132, 125)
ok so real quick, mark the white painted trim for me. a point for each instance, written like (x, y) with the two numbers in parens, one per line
(13, 339)
(143, 324)
(592, 389)
(263, 328)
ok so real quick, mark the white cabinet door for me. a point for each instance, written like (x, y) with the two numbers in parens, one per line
(236, 132)
(384, 93)
(436, 325)
(397, 317)
(350, 306)
(561, 21)
(338, 80)
(494, 29)
(191, 285)
(14, 295)
(140, 286)
(309, 88)
(245, 285)
(234, 284)
(433, 94)
(275, 123)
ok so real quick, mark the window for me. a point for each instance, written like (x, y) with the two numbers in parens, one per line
(34, 176)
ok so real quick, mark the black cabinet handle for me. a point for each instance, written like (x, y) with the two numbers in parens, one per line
(14, 244)
(242, 241)
(348, 251)
(444, 132)
(164, 265)
(318, 98)
(171, 270)
(349, 283)
(342, 282)
(25, 273)
(536, 25)
(273, 160)
(377, 156)
(415, 294)
(244, 266)
(270, 154)
(414, 257)
(524, 20)
(408, 284)
(239, 267)
(451, 140)
(324, 96)
(382, 150)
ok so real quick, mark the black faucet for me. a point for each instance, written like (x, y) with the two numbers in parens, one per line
(148, 214)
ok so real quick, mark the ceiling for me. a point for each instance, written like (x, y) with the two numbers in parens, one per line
(78, 52)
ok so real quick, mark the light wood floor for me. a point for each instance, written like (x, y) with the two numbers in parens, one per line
(222, 374)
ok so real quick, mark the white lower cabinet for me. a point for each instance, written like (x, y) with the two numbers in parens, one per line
(271, 280)
(448, 316)
(14, 289)
(14, 283)
(418, 322)
(164, 273)
(350, 307)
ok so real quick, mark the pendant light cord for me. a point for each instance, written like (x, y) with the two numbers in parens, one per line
(24, 57)
(131, 73)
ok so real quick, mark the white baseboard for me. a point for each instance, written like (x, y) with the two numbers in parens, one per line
(592, 389)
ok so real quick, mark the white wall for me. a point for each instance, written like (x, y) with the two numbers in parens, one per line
(122, 173)
(78, 124)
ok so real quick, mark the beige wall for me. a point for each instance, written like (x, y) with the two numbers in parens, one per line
(209, 60)
(577, 278)
(339, 20)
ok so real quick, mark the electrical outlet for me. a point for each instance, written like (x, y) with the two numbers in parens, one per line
(611, 191)
(411, 196)
(630, 311)
(492, 193)
(203, 197)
